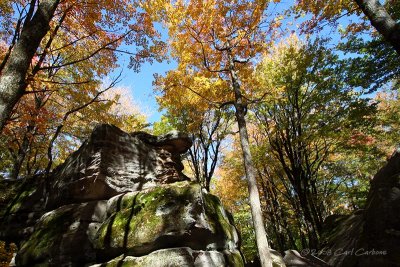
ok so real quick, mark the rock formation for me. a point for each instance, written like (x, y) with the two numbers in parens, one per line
(369, 237)
(120, 200)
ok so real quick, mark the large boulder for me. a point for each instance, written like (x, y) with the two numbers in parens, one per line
(369, 237)
(175, 215)
(64, 236)
(111, 162)
(121, 200)
(134, 224)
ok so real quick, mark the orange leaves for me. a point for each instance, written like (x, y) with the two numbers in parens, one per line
(227, 25)
(230, 185)
(358, 138)
(327, 11)
(80, 50)
(204, 37)
(6, 252)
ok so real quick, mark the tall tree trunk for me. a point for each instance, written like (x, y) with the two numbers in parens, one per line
(13, 76)
(254, 196)
(382, 21)
(310, 221)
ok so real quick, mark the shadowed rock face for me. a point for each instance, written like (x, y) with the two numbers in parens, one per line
(112, 162)
(121, 199)
(369, 237)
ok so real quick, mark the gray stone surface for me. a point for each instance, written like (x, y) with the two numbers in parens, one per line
(176, 257)
(277, 260)
(294, 259)
(121, 199)
(111, 162)
(369, 237)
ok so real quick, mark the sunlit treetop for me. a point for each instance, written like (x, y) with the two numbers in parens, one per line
(206, 39)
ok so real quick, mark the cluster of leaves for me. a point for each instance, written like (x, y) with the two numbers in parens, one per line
(373, 64)
(65, 94)
(201, 44)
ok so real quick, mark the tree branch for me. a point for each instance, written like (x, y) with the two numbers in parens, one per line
(382, 21)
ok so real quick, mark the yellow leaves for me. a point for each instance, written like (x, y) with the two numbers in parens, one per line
(230, 185)
(123, 112)
(277, 22)
(282, 58)
(230, 191)
(5, 7)
(156, 8)
(354, 28)
(190, 92)
(204, 36)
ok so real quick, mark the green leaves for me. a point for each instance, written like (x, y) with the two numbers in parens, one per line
(372, 64)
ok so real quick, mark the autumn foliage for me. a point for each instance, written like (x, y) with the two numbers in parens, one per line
(295, 103)
(67, 84)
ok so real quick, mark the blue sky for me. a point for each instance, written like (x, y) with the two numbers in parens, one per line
(140, 85)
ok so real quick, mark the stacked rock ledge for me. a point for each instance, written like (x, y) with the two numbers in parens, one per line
(120, 200)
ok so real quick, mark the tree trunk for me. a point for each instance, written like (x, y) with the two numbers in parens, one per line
(254, 196)
(382, 21)
(13, 76)
(275, 218)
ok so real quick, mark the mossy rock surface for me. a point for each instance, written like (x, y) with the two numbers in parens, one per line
(24, 195)
(62, 235)
(136, 224)
(174, 215)
(8, 190)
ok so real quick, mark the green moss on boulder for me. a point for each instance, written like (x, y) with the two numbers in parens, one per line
(178, 214)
